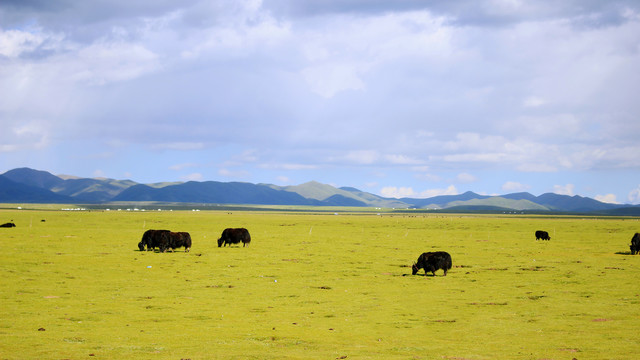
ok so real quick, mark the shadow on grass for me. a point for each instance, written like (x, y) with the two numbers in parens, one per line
(425, 275)
(623, 252)
(156, 251)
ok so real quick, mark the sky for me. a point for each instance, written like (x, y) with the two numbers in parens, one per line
(397, 98)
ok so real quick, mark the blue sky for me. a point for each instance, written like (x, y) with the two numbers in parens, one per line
(402, 98)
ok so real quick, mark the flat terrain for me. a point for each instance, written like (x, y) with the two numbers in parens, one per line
(317, 286)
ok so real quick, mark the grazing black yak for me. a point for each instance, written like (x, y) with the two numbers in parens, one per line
(8, 225)
(180, 239)
(431, 262)
(152, 239)
(635, 244)
(542, 235)
(234, 236)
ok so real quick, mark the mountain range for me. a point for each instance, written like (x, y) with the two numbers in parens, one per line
(25, 185)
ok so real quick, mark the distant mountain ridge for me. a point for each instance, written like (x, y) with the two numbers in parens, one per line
(25, 185)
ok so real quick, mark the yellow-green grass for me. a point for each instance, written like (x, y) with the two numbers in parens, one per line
(317, 286)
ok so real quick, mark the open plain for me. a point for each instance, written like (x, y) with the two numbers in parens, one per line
(317, 286)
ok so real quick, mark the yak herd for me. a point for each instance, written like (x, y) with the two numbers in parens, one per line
(430, 262)
(165, 240)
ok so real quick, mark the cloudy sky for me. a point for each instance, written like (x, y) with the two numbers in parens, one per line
(398, 98)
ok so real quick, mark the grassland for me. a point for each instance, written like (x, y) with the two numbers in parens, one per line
(317, 286)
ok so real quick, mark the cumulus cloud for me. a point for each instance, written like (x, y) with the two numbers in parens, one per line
(451, 190)
(192, 177)
(608, 198)
(14, 43)
(564, 189)
(328, 87)
(634, 195)
(400, 192)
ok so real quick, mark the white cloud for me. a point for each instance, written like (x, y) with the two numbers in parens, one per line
(513, 186)
(609, 198)
(395, 192)
(564, 189)
(535, 87)
(400, 192)
(192, 177)
(451, 190)
(634, 195)
(15, 42)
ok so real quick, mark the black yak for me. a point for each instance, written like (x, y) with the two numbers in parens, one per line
(431, 262)
(542, 235)
(152, 239)
(234, 236)
(180, 239)
(635, 244)
(8, 225)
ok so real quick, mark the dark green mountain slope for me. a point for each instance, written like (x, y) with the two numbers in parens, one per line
(214, 192)
(13, 192)
(35, 178)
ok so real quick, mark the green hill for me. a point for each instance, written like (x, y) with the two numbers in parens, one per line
(499, 202)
